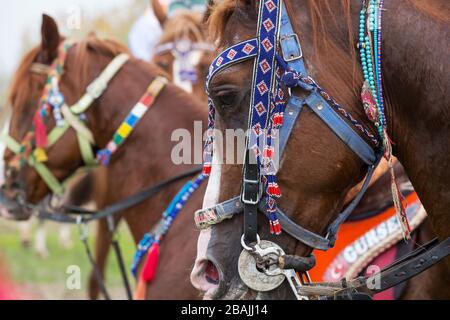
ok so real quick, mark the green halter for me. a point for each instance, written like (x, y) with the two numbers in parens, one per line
(71, 118)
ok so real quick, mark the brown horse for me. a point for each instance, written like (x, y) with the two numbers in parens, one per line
(317, 169)
(185, 27)
(183, 50)
(144, 159)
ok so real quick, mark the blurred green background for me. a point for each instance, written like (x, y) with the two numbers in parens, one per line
(36, 277)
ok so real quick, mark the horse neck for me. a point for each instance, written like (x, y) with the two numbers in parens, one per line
(422, 88)
(145, 157)
(416, 80)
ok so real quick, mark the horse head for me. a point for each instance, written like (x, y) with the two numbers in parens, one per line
(316, 170)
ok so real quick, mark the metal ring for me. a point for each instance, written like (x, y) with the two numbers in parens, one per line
(245, 246)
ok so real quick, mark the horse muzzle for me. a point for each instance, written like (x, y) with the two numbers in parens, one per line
(207, 277)
(13, 205)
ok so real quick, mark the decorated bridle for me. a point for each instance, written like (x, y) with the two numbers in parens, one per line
(279, 63)
(32, 149)
(187, 55)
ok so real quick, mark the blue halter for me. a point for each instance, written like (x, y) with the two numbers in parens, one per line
(276, 34)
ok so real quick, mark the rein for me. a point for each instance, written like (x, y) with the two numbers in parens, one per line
(85, 216)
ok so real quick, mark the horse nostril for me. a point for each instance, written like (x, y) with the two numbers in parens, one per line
(211, 273)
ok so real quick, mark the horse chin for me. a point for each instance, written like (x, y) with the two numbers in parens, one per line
(11, 210)
(239, 291)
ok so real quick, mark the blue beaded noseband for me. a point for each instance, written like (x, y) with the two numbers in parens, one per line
(278, 64)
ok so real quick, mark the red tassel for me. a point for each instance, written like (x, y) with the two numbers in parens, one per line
(274, 190)
(278, 119)
(141, 290)
(151, 263)
(275, 227)
(207, 169)
(40, 132)
(268, 152)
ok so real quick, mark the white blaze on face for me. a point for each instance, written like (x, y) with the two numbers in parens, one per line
(190, 62)
(211, 199)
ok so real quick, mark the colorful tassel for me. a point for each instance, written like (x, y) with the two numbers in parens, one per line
(277, 119)
(275, 227)
(400, 206)
(273, 190)
(207, 169)
(397, 197)
(148, 272)
(40, 131)
(268, 152)
(40, 155)
(151, 263)
(369, 103)
(141, 290)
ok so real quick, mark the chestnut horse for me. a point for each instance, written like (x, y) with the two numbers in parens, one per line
(317, 168)
(145, 158)
(185, 28)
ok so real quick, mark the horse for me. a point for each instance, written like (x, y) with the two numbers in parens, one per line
(185, 28)
(317, 169)
(144, 159)
(183, 50)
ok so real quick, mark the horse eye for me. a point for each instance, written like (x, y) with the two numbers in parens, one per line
(226, 99)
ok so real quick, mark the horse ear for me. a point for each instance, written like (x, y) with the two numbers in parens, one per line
(50, 38)
(159, 11)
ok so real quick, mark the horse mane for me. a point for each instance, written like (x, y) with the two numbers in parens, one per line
(21, 82)
(437, 10)
(184, 25)
(93, 45)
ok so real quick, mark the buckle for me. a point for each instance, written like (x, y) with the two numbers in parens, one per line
(292, 55)
(244, 191)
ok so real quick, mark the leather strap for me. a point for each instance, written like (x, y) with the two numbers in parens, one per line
(99, 85)
(290, 44)
(400, 271)
(84, 215)
(291, 114)
(341, 128)
(250, 197)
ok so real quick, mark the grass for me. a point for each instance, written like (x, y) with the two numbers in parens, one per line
(46, 277)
